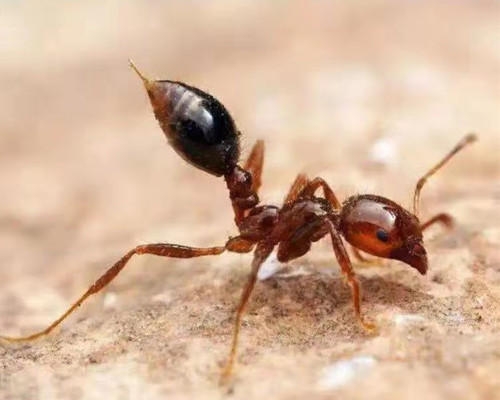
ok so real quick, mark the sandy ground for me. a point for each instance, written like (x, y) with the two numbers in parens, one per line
(366, 96)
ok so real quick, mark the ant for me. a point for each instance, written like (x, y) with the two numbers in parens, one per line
(202, 132)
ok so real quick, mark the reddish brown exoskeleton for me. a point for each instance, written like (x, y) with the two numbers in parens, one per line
(202, 132)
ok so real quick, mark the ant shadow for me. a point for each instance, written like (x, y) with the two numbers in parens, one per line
(318, 302)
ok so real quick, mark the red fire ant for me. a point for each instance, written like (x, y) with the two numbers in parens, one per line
(202, 132)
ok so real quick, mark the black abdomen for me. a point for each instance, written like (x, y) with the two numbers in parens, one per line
(197, 126)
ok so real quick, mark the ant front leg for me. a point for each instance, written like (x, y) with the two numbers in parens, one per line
(347, 270)
(158, 249)
(366, 262)
(261, 253)
(442, 218)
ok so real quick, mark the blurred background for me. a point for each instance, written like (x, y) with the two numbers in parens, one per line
(367, 95)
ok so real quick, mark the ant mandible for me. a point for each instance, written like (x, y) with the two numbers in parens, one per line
(203, 133)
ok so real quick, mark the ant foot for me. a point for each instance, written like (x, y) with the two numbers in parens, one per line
(226, 376)
(369, 327)
(370, 262)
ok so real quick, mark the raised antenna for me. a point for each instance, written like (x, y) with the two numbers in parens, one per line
(466, 140)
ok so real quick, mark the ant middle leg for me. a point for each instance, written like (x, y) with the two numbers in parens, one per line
(349, 274)
(327, 190)
(298, 185)
(261, 253)
(158, 249)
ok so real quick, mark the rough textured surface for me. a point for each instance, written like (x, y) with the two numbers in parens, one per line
(366, 96)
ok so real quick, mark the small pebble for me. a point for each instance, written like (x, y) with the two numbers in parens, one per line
(341, 372)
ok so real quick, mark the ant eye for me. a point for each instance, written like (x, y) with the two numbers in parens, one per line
(382, 235)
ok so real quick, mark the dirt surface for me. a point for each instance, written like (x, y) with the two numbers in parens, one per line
(367, 97)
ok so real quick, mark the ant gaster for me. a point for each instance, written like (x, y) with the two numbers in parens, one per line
(203, 133)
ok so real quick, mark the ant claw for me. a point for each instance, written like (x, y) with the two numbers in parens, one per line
(369, 327)
(226, 378)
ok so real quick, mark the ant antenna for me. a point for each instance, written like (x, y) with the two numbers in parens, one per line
(147, 82)
(466, 140)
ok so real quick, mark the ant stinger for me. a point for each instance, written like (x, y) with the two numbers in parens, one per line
(203, 133)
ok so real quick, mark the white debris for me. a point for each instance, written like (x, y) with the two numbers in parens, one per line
(109, 300)
(384, 151)
(269, 267)
(341, 372)
(456, 317)
(164, 297)
(424, 81)
(272, 267)
(407, 319)
(298, 271)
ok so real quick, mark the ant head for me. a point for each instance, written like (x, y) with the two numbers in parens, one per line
(379, 226)
(385, 229)
(196, 124)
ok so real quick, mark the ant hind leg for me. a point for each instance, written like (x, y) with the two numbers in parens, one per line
(158, 249)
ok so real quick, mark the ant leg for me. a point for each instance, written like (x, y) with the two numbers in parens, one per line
(261, 253)
(254, 164)
(443, 218)
(358, 256)
(239, 245)
(328, 192)
(298, 185)
(158, 249)
(346, 266)
(365, 262)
